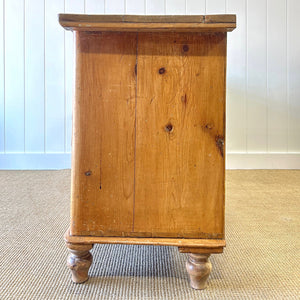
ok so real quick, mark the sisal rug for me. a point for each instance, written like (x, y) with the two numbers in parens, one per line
(261, 260)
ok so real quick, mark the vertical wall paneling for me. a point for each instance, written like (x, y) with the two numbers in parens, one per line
(236, 80)
(257, 139)
(34, 76)
(155, 7)
(94, 6)
(215, 6)
(276, 76)
(115, 6)
(14, 76)
(71, 6)
(176, 7)
(2, 37)
(263, 90)
(293, 58)
(135, 7)
(54, 78)
(195, 7)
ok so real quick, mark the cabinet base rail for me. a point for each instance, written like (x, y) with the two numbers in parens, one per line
(198, 265)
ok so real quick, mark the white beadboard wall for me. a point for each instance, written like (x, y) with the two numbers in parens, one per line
(263, 78)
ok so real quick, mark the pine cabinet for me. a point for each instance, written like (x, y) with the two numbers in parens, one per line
(148, 146)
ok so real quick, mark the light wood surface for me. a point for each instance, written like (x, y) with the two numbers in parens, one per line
(147, 23)
(147, 18)
(202, 250)
(103, 133)
(148, 135)
(148, 160)
(194, 244)
(179, 177)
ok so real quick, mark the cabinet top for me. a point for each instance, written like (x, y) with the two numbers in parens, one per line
(134, 23)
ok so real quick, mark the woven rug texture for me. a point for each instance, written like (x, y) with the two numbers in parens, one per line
(261, 260)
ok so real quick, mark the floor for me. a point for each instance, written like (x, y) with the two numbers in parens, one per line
(261, 260)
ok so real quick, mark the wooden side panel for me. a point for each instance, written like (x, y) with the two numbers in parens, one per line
(103, 134)
(180, 135)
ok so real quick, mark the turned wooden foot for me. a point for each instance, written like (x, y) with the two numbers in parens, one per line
(198, 267)
(79, 261)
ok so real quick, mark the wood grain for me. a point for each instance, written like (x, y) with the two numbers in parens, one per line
(147, 19)
(103, 133)
(180, 135)
(148, 140)
(191, 244)
(201, 250)
(147, 23)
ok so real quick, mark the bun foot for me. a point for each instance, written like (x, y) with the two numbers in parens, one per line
(198, 267)
(79, 261)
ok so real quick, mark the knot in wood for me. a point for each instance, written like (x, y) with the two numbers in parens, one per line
(220, 144)
(169, 127)
(161, 71)
(185, 48)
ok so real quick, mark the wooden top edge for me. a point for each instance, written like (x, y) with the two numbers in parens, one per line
(147, 19)
(137, 22)
(178, 242)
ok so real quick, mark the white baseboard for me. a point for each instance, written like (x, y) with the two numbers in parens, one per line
(263, 161)
(55, 161)
(35, 161)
